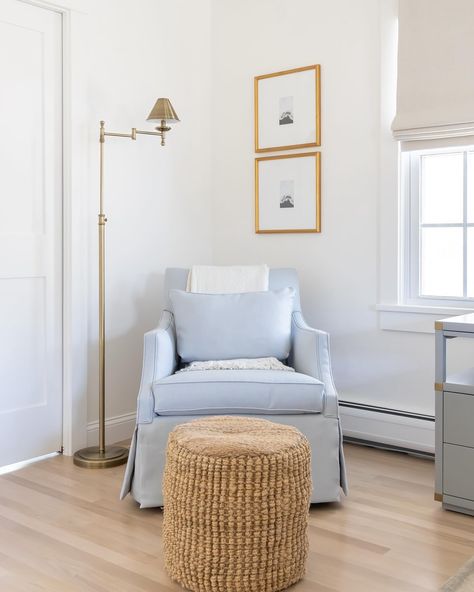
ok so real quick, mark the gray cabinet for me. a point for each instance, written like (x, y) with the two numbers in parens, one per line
(454, 409)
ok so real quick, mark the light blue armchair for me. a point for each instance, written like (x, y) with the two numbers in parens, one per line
(306, 399)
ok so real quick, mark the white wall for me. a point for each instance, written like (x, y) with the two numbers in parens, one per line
(193, 201)
(124, 55)
(339, 268)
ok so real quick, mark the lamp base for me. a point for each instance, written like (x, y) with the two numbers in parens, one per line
(92, 458)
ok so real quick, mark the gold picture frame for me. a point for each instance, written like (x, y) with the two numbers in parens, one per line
(288, 186)
(265, 115)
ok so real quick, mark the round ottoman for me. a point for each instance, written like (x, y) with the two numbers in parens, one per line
(236, 500)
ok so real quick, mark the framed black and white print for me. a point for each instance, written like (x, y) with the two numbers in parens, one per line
(288, 193)
(288, 109)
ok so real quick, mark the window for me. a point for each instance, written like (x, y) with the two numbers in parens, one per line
(438, 227)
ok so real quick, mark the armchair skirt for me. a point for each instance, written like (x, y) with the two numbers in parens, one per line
(144, 473)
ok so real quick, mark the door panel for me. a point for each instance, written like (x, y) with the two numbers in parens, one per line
(30, 231)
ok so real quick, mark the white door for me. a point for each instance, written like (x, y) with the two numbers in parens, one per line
(30, 231)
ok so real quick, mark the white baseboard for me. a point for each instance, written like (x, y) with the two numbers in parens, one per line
(117, 428)
(406, 432)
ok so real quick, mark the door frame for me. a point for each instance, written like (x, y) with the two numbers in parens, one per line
(75, 228)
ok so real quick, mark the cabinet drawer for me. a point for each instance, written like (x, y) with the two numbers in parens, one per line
(458, 419)
(458, 471)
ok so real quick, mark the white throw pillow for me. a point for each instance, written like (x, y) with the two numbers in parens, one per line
(239, 364)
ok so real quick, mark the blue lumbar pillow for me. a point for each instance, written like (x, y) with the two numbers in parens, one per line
(229, 326)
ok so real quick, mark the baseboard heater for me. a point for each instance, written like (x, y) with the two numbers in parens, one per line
(394, 416)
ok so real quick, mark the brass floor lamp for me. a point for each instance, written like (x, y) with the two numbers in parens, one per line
(102, 456)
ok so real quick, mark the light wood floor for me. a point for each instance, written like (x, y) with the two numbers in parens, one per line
(63, 529)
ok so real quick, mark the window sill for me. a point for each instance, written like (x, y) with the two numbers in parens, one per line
(414, 318)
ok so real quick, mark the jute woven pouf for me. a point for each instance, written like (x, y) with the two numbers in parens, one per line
(236, 500)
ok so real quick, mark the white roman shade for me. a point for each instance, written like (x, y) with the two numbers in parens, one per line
(435, 85)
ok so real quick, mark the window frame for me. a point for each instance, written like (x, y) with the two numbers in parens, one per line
(410, 234)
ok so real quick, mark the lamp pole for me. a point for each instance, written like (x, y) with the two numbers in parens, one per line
(102, 456)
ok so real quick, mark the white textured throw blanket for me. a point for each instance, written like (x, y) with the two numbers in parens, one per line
(239, 364)
(232, 279)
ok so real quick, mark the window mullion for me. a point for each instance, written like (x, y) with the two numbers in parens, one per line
(464, 230)
(442, 225)
(415, 229)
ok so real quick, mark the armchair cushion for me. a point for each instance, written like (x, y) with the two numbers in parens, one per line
(206, 392)
(229, 326)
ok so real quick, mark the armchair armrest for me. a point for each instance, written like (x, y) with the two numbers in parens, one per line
(310, 355)
(159, 360)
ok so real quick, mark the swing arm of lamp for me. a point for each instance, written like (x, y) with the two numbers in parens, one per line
(102, 456)
(161, 131)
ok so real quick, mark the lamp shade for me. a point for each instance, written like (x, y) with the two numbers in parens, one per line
(163, 110)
